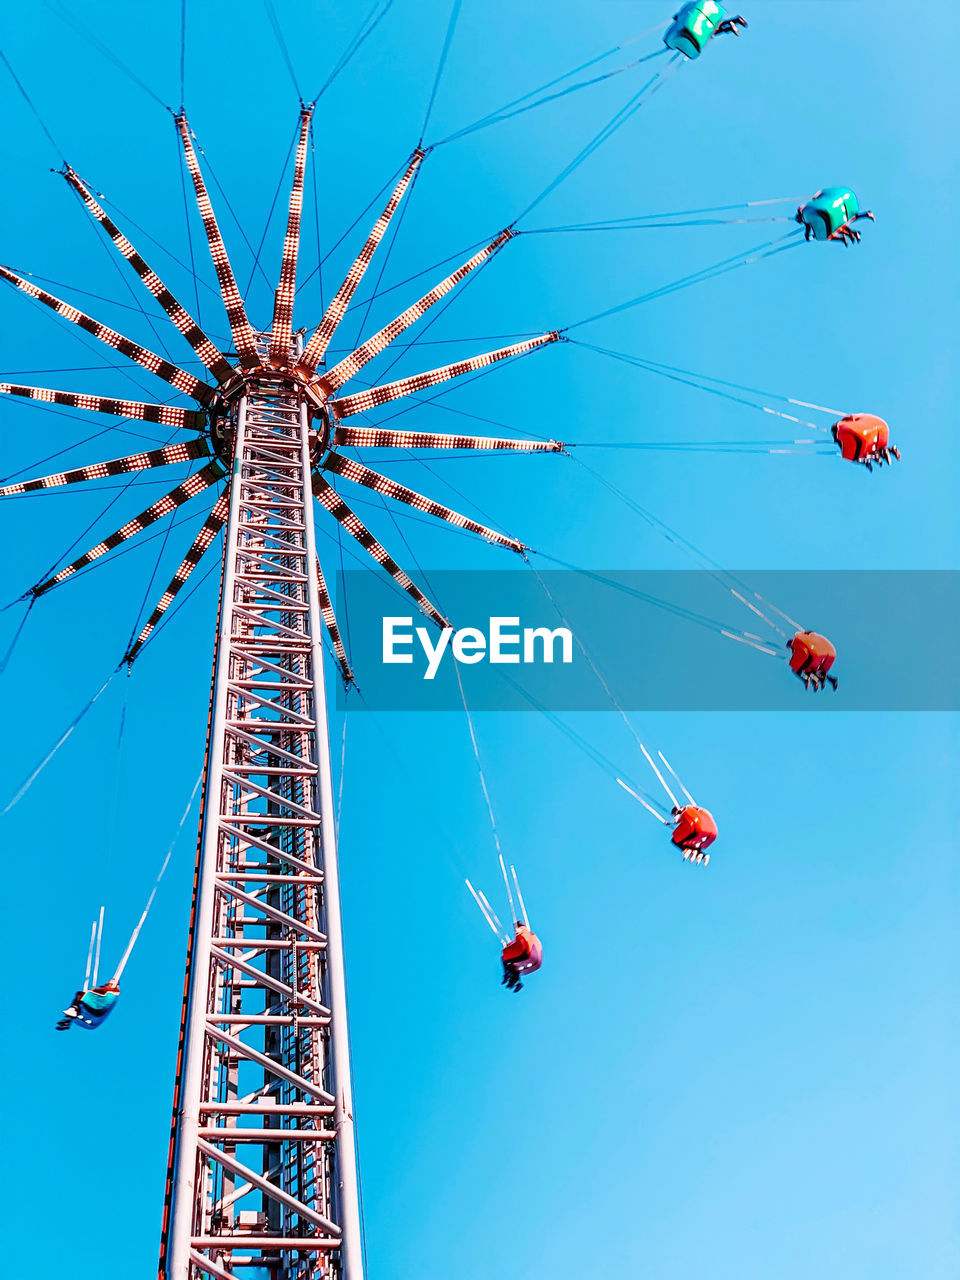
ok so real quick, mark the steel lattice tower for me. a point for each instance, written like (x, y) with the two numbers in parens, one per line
(262, 1177)
(264, 1035)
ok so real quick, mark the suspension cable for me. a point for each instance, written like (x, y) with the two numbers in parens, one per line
(593, 753)
(592, 664)
(720, 575)
(505, 114)
(281, 42)
(183, 52)
(233, 214)
(91, 345)
(28, 783)
(698, 381)
(438, 312)
(618, 119)
(638, 221)
(74, 444)
(362, 214)
(417, 402)
(620, 224)
(168, 529)
(316, 213)
(135, 477)
(679, 611)
(655, 366)
(394, 236)
(114, 798)
(444, 53)
(86, 293)
(61, 10)
(366, 29)
(273, 206)
(98, 234)
(195, 585)
(17, 634)
(158, 244)
(182, 170)
(156, 885)
(30, 103)
(492, 116)
(765, 250)
(453, 257)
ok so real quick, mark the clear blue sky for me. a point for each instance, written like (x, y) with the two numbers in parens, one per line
(737, 1074)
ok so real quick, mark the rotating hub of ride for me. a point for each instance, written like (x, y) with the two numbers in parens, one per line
(270, 379)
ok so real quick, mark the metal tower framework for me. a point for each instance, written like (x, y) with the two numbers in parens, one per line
(264, 1168)
(262, 1176)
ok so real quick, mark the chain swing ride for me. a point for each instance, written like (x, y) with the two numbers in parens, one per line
(262, 1174)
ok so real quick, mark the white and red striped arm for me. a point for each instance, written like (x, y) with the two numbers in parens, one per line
(382, 438)
(243, 336)
(165, 457)
(352, 364)
(351, 470)
(211, 527)
(164, 414)
(316, 348)
(281, 336)
(333, 627)
(329, 497)
(162, 507)
(210, 354)
(364, 400)
(177, 377)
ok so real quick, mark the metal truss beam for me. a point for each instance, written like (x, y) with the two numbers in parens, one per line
(265, 1058)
